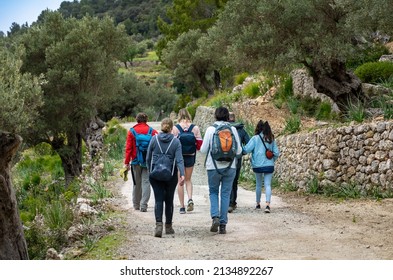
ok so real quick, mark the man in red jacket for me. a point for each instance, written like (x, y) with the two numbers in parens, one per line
(138, 138)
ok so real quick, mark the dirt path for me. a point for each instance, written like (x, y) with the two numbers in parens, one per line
(299, 228)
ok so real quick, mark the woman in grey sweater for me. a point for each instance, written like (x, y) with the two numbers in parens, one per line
(164, 191)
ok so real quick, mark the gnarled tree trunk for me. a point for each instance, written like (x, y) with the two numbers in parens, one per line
(70, 153)
(336, 82)
(12, 240)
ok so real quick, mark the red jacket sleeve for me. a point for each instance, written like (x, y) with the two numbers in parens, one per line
(130, 150)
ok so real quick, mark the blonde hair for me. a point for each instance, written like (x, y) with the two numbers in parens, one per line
(166, 125)
(184, 115)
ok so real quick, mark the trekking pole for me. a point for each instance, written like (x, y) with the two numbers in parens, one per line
(132, 174)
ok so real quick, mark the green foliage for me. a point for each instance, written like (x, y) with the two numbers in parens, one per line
(138, 17)
(293, 104)
(223, 98)
(309, 105)
(58, 215)
(183, 16)
(374, 72)
(21, 94)
(239, 79)
(313, 186)
(284, 95)
(292, 125)
(36, 242)
(355, 111)
(252, 90)
(371, 53)
(324, 111)
(99, 192)
(114, 138)
(288, 186)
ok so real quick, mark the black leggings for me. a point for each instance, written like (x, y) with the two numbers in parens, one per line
(164, 192)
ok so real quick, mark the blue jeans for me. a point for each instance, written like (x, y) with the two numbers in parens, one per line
(267, 177)
(219, 205)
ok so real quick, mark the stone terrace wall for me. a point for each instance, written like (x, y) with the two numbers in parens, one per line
(360, 154)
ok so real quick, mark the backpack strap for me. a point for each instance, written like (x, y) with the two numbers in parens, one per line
(263, 142)
(214, 162)
(133, 131)
(159, 146)
(150, 131)
(181, 130)
(190, 127)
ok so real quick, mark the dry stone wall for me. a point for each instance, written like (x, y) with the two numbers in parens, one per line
(355, 154)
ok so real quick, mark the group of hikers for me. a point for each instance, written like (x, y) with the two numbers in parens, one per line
(165, 160)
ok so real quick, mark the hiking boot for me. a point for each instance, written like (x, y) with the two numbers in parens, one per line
(169, 229)
(232, 208)
(143, 210)
(267, 209)
(215, 224)
(190, 205)
(158, 231)
(258, 206)
(222, 229)
(182, 210)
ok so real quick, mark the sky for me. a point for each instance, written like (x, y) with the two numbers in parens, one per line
(22, 11)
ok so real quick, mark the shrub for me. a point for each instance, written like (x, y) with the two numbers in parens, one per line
(292, 125)
(355, 111)
(369, 54)
(324, 111)
(239, 79)
(374, 72)
(252, 90)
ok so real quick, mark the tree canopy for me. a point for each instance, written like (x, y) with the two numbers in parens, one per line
(280, 35)
(78, 59)
(21, 94)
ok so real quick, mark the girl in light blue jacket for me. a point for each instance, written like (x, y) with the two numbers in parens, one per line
(261, 165)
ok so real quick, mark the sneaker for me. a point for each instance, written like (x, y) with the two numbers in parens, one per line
(215, 224)
(190, 205)
(182, 210)
(267, 209)
(143, 210)
(258, 206)
(222, 229)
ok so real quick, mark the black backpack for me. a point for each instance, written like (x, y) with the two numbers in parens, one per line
(163, 167)
(187, 140)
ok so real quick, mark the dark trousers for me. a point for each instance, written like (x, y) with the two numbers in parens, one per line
(164, 192)
(233, 198)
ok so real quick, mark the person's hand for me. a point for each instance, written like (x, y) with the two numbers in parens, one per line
(127, 166)
(181, 182)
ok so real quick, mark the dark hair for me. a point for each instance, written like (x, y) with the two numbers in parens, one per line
(264, 127)
(141, 118)
(222, 114)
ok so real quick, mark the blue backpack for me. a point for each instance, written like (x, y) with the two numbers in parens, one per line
(142, 143)
(187, 140)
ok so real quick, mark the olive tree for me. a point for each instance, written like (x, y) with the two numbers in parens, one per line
(20, 98)
(318, 34)
(79, 61)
